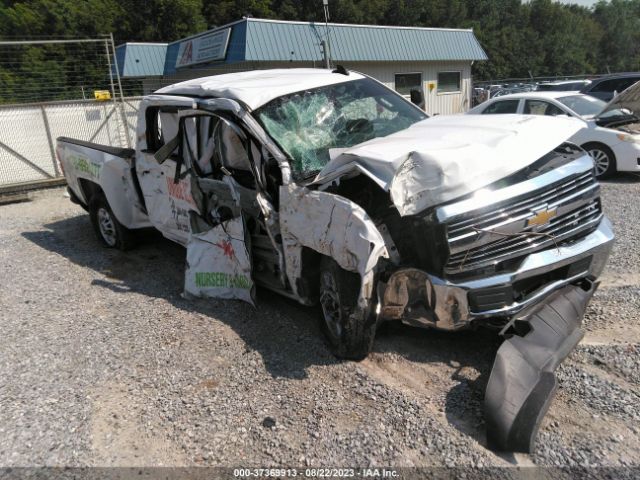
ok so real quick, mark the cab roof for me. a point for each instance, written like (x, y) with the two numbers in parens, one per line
(258, 87)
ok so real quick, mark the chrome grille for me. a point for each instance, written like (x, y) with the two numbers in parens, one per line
(481, 240)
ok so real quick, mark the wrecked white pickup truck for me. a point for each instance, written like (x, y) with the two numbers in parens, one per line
(330, 188)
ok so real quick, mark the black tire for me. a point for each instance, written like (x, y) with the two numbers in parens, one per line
(603, 157)
(110, 232)
(350, 333)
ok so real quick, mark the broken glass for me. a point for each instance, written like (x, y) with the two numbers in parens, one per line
(307, 124)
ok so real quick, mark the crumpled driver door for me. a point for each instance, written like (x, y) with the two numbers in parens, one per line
(218, 259)
(218, 263)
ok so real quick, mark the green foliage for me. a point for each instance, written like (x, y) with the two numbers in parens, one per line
(620, 45)
(521, 38)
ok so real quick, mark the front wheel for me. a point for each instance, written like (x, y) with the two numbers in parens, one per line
(109, 230)
(603, 157)
(350, 331)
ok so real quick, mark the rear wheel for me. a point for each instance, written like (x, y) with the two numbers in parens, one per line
(110, 232)
(349, 331)
(603, 157)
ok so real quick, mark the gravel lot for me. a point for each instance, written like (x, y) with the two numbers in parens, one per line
(104, 364)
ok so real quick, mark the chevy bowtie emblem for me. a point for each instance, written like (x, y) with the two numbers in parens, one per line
(541, 218)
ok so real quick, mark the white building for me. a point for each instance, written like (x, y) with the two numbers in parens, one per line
(436, 61)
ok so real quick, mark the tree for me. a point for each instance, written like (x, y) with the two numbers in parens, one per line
(539, 37)
(620, 45)
(160, 20)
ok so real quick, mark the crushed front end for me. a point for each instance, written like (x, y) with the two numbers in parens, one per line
(526, 251)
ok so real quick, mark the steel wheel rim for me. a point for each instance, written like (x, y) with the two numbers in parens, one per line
(601, 160)
(107, 227)
(330, 303)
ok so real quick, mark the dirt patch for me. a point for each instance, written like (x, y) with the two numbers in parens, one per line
(119, 436)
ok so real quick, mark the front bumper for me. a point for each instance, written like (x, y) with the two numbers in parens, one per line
(627, 156)
(419, 298)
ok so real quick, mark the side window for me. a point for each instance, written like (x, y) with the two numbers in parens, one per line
(606, 86)
(236, 153)
(540, 107)
(198, 143)
(168, 124)
(625, 83)
(553, 110)
(215, 147)
(154, 134)
(502, 106)
(232, 148)
(162, 127)
(206, 141)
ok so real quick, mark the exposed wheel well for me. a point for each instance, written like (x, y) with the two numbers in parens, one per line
(309, 282)
(366, 193)
(89, 190)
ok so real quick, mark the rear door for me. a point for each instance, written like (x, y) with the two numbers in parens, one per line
(167, 192)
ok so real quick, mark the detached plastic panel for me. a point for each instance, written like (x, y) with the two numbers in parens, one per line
(522, 382)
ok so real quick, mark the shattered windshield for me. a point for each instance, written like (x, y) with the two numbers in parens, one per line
(308, 124)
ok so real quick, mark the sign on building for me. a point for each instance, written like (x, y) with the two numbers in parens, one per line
(207, 48)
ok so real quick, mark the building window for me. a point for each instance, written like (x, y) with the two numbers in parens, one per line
(448, 82)
(405, 82)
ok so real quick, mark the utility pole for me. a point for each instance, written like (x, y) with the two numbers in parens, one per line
(326, 44)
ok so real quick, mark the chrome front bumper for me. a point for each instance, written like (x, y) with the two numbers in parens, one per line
(422, 299)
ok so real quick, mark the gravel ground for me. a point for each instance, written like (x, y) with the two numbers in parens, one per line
(104, 364)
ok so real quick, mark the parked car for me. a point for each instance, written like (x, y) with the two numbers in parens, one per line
(563, 86)
(513, 88)
(509, 91)
(330, 188)
(606, 88)
(610, 132)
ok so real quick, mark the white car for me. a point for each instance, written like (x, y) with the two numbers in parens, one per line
(611, 132)
(563, 86)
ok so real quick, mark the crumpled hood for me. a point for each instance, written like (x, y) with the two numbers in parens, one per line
(444, 157)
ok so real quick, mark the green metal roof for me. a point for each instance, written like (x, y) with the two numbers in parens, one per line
(260, 40)
(141, 59)
(273, 40)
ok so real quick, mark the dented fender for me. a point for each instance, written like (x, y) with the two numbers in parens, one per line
(333, 226)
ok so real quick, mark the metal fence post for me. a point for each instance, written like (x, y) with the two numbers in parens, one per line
(114, 96)
(52, 148)
(120, 105)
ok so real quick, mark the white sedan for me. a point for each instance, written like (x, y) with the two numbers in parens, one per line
(611, 132)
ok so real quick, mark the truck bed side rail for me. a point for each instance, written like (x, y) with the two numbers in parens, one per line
(125, 153)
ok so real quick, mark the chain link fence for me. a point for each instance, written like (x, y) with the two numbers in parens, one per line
(51, 88)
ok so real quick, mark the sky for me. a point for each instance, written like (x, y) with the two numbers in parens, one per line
(585, 3)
